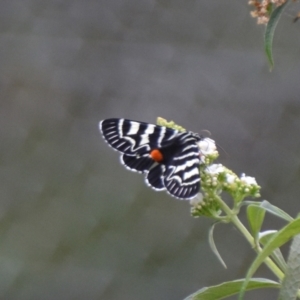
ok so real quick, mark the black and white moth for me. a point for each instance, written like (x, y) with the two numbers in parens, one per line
(169, 158)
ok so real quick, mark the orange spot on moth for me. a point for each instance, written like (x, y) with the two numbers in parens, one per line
(156, 155)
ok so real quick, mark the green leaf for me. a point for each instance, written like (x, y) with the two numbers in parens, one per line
(230, 288)
(276, 211)
(213, 245)
(278, 239)
(264, 238)
(270, 29)
(256, 217)
(291, 281)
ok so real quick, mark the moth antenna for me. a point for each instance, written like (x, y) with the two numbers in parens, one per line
(207, 131)
(222, 149)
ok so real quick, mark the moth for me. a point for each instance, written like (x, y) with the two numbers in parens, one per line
(170, 159)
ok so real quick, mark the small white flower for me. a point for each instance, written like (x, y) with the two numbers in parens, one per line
(230, 178)
(215, 169)
(197, 200)
(248, 180)
(207, 146)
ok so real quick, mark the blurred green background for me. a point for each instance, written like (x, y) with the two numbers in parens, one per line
(75, 224)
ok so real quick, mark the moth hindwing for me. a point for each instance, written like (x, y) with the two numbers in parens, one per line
(169, 158)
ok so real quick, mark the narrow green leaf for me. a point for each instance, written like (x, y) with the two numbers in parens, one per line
(255, 215)
(264, 238)
(280, 238)
(291, 282)
(266, 205)
(213, 245)
(230, 288)
(270, 29)
(275, 210)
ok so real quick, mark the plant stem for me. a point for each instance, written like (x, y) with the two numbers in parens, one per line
(236, 221)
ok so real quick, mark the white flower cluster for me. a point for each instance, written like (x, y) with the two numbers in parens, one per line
(208, 150)
(215, 179)
(230, 177)
(248, 179)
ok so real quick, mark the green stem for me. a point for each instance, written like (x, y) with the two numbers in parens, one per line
(236, 221)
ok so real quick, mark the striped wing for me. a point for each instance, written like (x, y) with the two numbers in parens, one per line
(132, 137)
(155, 177)
(135, 139)
(182, 175)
